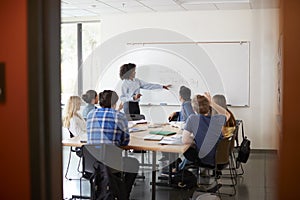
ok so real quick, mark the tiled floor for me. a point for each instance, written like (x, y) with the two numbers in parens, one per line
(257, 183)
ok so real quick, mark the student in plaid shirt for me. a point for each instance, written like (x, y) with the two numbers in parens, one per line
(108, 125)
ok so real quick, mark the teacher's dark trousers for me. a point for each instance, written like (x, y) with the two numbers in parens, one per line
(131, 108)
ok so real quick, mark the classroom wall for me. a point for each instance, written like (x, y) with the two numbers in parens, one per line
(260, 27)
(14, 165)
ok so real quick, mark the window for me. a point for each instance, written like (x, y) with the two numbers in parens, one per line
(69, 53)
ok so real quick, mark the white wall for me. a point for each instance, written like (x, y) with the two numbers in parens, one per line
(260, 27)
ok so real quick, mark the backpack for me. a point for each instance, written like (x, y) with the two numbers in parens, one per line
(184, 179)
(106, 185)
(244, 148)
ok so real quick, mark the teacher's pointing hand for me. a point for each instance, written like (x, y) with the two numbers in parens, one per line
(167, 87)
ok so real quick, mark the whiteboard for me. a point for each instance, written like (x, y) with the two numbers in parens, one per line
(216, 67)
(220, 68)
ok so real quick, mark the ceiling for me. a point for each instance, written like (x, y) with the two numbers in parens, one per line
(95, 8)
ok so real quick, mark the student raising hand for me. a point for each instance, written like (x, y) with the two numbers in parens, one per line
(207, 95)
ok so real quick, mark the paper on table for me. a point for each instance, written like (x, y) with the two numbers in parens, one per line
(177, 124)
(133, 123)
(172, 140)
(136, 129)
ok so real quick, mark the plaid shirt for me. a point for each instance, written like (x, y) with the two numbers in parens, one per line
(106, 125)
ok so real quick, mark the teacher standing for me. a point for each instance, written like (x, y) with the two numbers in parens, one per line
(131, 88)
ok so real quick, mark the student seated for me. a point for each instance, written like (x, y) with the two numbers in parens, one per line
(196, 129)
(186, 106)
(183, 114)
(91, 98)
(230, 124)
(72, 120)
(108, 125)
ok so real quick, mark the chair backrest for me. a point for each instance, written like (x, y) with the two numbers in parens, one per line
(236, 131)
(107, 154)
(71, 134)
(223, 151)
(231, 132)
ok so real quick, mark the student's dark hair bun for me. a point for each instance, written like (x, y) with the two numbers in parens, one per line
(125, 70)
(89, 96)
(107, 98)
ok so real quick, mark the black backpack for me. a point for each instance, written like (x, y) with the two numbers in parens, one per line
(244, 151)
(106, 185)
(184, 179)
(244, 148)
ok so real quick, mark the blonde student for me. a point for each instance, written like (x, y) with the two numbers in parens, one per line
(131, 88)
(72, 119)
(230, 124)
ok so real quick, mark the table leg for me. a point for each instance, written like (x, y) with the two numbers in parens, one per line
(153, 174)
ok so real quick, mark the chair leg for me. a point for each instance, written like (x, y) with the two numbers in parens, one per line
(78, 166)
(68, 166)
(67, 170)
(233, 168)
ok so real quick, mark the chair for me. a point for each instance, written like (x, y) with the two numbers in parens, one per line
(135, 117)
(232, 163)
(78, 152)
(222, 148)
(106, 155)
(222, 161)
(237, 146)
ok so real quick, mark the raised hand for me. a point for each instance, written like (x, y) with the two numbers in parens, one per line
(207, 95)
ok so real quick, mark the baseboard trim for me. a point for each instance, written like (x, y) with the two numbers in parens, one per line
(271, 151)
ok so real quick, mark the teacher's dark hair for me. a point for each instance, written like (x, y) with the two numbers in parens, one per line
(108, 98)
(125, 70)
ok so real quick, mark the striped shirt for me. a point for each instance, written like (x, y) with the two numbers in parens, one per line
(106, 125)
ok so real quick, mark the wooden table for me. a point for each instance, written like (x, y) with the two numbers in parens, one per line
(137, 142)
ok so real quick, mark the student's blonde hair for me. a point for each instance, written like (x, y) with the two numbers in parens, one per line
(71, 109)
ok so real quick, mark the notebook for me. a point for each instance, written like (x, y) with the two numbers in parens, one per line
(163, 132)
(153, 137)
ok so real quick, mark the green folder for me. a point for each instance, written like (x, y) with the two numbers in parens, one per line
(163, 132)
